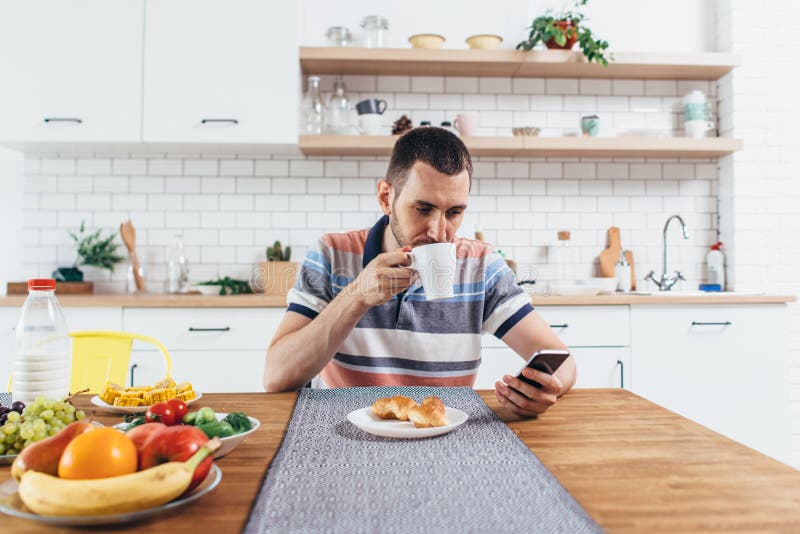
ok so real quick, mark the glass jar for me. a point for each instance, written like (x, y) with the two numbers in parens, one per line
(311, 114)
(339, 36)
(177, 268)
(338, 120)
(376, 32)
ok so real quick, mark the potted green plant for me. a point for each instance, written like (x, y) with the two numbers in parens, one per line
(278, 273)
(562, 30)
(94, 251)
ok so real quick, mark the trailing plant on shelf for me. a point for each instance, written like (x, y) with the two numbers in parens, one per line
(277, 253)
(562, 30)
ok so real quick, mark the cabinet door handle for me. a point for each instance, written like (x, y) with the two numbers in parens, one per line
(621, 374)
(208, 121)
(223, 329)
(561, 325)
(720, 323)
(133, 367)
(63, 119)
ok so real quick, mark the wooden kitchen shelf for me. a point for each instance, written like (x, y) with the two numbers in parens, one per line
(624, 147)
(514, 63)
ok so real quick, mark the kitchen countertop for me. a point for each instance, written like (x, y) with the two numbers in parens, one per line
(262, 301)
(632, 465)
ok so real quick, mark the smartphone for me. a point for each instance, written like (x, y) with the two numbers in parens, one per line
(546, 361)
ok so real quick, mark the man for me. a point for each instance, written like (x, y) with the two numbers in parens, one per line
(357, 315)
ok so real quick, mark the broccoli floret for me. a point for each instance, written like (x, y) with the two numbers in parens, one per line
(239, 421)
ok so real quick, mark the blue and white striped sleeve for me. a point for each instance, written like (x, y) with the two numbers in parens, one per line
(312, 290)
(505, 303)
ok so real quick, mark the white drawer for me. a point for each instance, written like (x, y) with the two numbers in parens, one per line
(589, 326)
(213, 329)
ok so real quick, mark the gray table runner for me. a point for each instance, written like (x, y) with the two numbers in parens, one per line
(330, 476)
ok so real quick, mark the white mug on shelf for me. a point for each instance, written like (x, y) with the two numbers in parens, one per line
(436, 265)
(466, 123)
(697, 129)
(370, 123)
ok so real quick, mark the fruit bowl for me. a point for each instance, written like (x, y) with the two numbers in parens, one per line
(11, 504)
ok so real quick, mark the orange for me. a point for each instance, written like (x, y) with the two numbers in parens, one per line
(99, 453)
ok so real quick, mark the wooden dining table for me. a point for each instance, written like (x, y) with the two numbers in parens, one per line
(633, 466)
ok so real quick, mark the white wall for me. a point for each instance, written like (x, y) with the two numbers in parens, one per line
(759, 188)
(628, 25)
(11, 209)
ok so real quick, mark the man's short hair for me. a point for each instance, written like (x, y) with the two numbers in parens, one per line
(437, 147)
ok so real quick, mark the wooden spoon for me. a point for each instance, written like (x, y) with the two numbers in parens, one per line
(128, 233)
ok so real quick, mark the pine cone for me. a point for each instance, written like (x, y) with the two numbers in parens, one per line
(402, 125)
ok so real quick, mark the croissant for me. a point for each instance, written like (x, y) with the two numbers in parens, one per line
(428, 414)
(393, 407)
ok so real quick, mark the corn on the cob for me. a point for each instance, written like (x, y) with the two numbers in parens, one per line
(186, 396)
(111, 392)
(168, 382)
(129, 399)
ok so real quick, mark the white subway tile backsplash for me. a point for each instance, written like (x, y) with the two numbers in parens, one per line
(129, 167)
(165, 167)
(228, 207)
(61, 167)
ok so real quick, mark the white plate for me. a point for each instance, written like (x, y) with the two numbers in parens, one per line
(229, 443)
(11, 504)
(110, 408)
(366, 420)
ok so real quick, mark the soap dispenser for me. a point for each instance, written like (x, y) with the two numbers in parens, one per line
(622, 272)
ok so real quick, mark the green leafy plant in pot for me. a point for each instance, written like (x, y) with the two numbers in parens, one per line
(562, 30)
(278, 273)
(93, 250)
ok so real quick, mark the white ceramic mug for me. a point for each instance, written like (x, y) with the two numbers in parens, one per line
(466, 123)
(370, 123)
(436, 265)
(697, 129)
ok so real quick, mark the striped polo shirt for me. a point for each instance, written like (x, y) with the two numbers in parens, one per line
(408, 341)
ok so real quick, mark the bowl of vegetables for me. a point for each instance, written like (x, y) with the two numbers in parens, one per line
(231, 428)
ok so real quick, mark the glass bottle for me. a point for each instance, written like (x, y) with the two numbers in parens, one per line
(337, 112)
(42, 355)
(177, 268)
(376, 32)
(313, 109)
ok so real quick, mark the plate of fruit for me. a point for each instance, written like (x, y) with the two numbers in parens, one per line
(231, 428)
(131, 400)
(22, 425)
(85, 475)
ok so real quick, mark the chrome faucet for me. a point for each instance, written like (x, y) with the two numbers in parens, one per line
(666, 282)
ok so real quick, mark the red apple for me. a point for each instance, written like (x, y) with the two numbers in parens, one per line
(176, 444)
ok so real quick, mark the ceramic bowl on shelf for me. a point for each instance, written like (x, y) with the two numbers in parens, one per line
(431, 41)
(207, 290)
(525, 130)
(484, 41)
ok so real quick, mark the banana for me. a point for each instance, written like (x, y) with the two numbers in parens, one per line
(48, 495)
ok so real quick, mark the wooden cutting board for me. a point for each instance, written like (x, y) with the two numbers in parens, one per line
(610, 255)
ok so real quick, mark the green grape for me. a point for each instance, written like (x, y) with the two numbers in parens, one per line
(80, 414)
(10, 428)
(60, 415)
(39, 435)
(2, 448)
(48, 404)
(47, 414)
(38, 425)
(59, 405)
(26, 431)
(9, 439)
(13, 417)
(70, 409)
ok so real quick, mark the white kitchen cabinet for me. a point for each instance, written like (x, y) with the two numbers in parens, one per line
(212, 71)
(72, 70)
(216, 349)
(597, 336)
(722, 366)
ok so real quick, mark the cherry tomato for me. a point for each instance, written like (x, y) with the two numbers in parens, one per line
(161, 412)
(179, 408)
